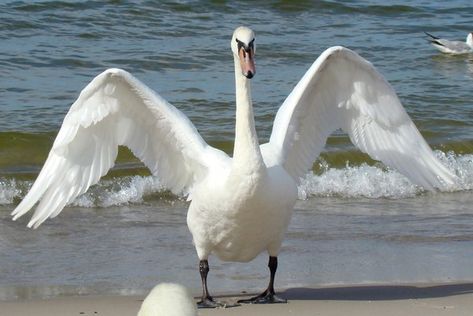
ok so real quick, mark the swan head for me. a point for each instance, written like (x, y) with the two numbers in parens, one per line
(243, 48)
(469, 39)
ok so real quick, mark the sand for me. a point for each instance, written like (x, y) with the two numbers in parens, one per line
(406, 300)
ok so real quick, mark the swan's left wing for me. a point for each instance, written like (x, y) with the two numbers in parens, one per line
(343, 90)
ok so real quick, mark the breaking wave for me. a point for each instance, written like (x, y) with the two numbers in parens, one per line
(351, 181)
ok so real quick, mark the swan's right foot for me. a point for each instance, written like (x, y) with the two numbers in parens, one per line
(207, 301)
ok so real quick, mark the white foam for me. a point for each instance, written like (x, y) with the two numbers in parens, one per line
(357, 181)
(377, 181)
(119, 191)
(8, 191)
(351, 181)
(462, 165)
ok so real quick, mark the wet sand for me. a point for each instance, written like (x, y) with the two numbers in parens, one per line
(424, 299)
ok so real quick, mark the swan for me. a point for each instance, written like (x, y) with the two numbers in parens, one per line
(241, 205)
(452, 47)
(168, 299)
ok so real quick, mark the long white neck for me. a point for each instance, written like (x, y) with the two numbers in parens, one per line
(246, 152)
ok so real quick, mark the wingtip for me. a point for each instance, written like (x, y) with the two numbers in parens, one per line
(450, 183)
(36, 220)
(430, 35)
(447, 180)
(34, 223)
(16, 214)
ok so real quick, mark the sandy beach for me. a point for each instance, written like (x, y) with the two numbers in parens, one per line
(425, 299)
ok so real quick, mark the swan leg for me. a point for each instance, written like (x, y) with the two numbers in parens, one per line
(268, 296)
(207, 301)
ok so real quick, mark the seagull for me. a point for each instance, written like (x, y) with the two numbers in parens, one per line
(240, 206)
(452, 47)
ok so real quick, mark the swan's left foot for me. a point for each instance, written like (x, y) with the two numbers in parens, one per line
(264, 298)
(268, 296)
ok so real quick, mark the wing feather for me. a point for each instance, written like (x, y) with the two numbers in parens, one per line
(117, 109)
(341, 90)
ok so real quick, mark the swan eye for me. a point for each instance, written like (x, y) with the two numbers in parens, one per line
(245, 48)
(240, 44)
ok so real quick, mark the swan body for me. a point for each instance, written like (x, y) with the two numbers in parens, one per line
(168, 299)
(240, 219)
(241, 205)
(452, 47)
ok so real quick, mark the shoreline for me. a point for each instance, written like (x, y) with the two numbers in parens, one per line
(358, 300)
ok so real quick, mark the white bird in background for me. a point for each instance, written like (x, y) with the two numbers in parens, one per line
(168, 299)
(241, 205)
(452, 47)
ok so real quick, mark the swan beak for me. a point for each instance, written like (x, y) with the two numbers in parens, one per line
(247, 62)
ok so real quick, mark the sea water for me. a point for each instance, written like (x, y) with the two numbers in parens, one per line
(355, 222)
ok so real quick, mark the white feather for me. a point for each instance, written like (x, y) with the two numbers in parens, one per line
(343, 90)
(240, 206)
(117, 109)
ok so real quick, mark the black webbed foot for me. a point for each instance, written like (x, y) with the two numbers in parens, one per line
(268, 296)
(264, 298)
(209, 302)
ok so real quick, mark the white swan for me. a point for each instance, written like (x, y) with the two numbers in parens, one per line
(452, 47)
(168, 299)
(240, 206)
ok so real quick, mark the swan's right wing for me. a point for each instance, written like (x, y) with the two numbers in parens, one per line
(343, 90)
(117, 109)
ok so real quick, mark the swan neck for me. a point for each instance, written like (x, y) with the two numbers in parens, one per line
(246, 152)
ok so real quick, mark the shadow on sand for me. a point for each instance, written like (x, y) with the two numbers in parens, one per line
(377, 292)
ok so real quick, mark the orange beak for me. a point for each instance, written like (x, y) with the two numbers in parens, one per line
(247, 62)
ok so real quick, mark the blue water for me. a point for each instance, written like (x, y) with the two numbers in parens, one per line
(354, 223)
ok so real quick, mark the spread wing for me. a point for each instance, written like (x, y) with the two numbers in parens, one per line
(117, 109)
(343, 90)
